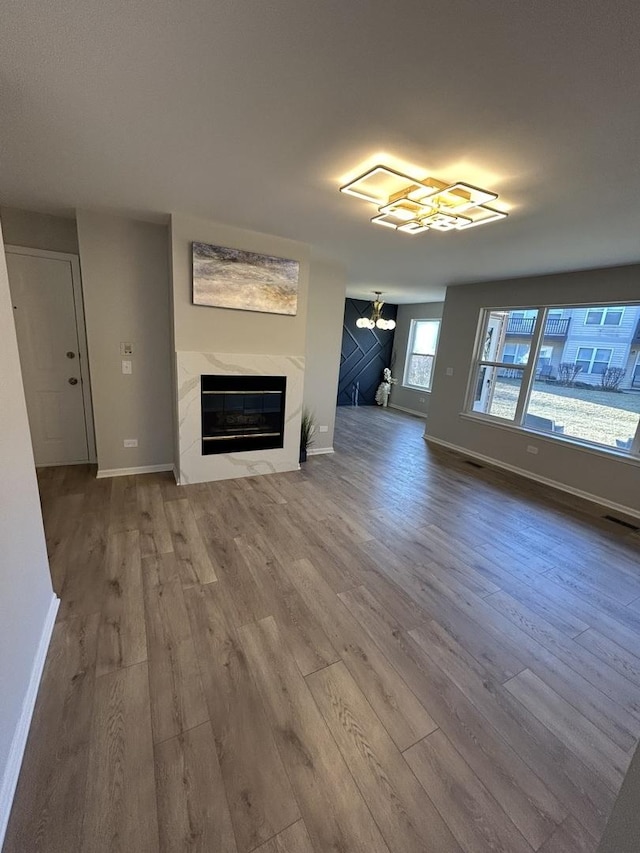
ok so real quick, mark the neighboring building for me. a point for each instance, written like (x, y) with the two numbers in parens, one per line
(595, 338)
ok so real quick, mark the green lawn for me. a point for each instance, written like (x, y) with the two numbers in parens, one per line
(586, 413)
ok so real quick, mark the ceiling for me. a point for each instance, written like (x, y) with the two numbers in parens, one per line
(251, 112)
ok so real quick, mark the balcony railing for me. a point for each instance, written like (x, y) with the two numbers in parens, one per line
(523, 327)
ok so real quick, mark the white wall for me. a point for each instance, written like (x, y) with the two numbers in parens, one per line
(605, 477)
(409, 398)
(39, 230)
(324, 337)
(125, 278)
(622, 833)
(26, 595)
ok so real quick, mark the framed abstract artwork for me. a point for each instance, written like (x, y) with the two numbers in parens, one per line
(246, 281)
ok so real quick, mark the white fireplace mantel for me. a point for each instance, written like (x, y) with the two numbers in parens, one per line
(192, 466)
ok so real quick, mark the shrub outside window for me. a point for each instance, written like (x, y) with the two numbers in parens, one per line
(421, 354)
(545, 370)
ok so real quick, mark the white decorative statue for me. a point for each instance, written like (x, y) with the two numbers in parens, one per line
(384, 388)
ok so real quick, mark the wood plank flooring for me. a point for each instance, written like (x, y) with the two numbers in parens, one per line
(386, 652)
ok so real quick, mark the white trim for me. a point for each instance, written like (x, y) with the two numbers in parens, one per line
(81, 328)
(413, 328)
(319, 451)
(605, 310)
(19, 742)
(139, 469)
(408, 411)
(63, 464)
(528, 377)
(40, 253)
(418, 388)
(592, 360)
(545, 481)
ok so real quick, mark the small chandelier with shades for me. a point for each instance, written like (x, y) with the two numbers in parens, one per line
(376, 320)
(411, 206)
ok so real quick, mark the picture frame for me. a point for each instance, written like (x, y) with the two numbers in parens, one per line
(224, 277)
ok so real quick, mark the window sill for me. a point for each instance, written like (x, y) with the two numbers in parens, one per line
(576, 444)
(418, 388)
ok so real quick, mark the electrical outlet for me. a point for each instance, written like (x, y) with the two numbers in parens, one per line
(126, 348)
(131, 442)
(126, 367)
(324, 429)
(449, 371)
(531, 448)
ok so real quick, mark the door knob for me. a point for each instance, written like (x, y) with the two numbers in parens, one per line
(73, 381)
(71, 354)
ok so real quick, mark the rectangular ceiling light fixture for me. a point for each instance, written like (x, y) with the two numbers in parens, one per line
(378, 185)
(481, 215)
(411, 206)
(459, 197)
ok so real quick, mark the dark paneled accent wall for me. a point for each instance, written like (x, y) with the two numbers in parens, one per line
(364, 354)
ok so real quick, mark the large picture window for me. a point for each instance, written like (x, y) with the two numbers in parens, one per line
(421, 354)
(543, 369)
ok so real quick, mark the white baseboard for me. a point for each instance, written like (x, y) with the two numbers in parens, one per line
(408, 411)
(61, 464)
(141, 469)
(19, 742)
(318, 451)
(545, 481)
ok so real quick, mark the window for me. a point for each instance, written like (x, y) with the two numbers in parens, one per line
(421, 353)
(516, 353)
(604, 317)
(553, 384)
(593, 360)
(502, 364)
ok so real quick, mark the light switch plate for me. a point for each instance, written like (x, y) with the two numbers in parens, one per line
(324, 429)
(126, 348)
(449, 371)
(131, 442)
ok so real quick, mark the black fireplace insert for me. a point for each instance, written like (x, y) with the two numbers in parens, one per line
(242, 413)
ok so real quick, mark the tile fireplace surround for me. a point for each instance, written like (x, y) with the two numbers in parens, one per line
(192, 466)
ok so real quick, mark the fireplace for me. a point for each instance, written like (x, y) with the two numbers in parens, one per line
(241, 412)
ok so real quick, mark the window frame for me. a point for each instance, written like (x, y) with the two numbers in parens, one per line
(415, 322)
(525, 370)
(526, 387)
(593, 360)
(605, 311)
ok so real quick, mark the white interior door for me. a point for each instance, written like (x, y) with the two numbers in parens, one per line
(49, 341)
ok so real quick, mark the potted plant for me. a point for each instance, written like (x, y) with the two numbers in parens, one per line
(307, 429)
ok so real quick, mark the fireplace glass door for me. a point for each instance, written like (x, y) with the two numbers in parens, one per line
(242, 413)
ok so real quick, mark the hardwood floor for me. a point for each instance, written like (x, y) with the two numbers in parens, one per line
(392, 650)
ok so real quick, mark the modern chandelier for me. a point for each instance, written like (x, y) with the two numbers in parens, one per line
(376, 320)
(411, 206)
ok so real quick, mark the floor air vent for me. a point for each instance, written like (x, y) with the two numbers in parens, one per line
(621, 522)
